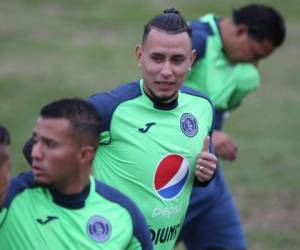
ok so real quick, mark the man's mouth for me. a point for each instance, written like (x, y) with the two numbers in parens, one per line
(36, 169)
(164, 82)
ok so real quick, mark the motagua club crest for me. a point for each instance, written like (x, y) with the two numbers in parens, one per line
(99, 228)
(189, 124)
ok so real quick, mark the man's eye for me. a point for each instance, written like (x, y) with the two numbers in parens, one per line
(50, 144)
(157, 58)
(178, 59)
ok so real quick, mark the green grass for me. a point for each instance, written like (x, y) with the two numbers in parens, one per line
(54, 49)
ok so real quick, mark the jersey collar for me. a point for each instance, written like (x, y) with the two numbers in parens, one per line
(159, 105)
(73, 201)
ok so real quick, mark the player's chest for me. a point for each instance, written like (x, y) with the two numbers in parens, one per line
(49, 226)
(178, 131)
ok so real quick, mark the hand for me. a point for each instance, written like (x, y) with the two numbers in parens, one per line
(206, 163)
(224, 146)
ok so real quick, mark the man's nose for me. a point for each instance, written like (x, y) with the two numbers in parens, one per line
(37, 151)
(166, 70)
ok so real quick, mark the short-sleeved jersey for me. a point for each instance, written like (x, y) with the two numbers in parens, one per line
(149, 151)
(212, 73)
(100, 217)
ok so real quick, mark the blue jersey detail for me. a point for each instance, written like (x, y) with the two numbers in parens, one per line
(215, 207)
(219, 118)
(17, 185)
(138, 220)
(201, 31)
(107, 102)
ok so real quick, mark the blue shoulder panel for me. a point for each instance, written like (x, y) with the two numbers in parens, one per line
(219, 118)
(17, 185)
(140, 228)
(107, 102)
(200, 33)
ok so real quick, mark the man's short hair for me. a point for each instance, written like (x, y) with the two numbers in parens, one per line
(263, 22)
(83, 117)
(169, 21)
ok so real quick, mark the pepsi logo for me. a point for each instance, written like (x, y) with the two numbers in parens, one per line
(170, 176)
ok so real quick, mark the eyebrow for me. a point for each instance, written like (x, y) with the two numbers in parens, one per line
(156, 54)
(179, 55)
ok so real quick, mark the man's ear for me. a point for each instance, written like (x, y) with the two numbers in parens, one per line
(86, 154)
(241, 29)
(138, 54)
(193, 56)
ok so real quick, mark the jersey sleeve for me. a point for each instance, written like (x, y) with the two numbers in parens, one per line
(100, 102)
(248, 83)
(107, 102)
(201, 31)
(17, 185)
(219, 118)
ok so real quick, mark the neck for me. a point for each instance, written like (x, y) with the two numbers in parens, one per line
(72, 186)
(158, 104)
(161, 103)
(71, 201)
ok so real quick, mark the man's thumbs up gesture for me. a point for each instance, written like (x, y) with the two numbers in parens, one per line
(206, 163)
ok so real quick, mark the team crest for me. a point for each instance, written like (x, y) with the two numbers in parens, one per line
(99, 228)
(189, 124)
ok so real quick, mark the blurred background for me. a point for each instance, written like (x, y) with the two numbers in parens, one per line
(60, 48)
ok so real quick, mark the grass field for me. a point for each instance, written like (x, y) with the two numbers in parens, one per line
(54, 49)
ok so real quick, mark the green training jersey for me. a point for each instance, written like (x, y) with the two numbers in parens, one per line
(225, 83)
(149, 151)
(100, 217)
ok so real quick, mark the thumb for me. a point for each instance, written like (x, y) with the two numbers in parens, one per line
(206, 144)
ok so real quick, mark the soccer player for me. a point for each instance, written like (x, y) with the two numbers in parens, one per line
(228, 52)
(154, 143)
(58, 205)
